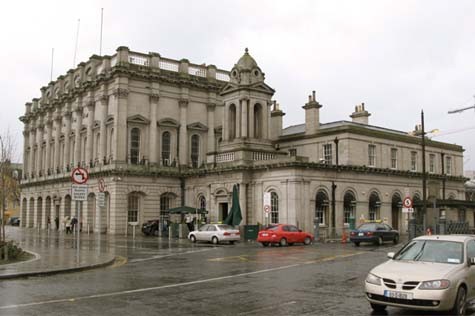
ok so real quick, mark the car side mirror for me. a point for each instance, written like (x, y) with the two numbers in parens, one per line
(391, 255)
(472, 261)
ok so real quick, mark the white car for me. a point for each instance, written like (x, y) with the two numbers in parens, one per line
(429, 273)
(215, 233)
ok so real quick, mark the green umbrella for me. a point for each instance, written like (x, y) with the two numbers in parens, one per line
(235, 217)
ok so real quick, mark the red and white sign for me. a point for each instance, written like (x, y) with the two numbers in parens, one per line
(102, 185)
(267, 208)
(79, 175)
(407, 203)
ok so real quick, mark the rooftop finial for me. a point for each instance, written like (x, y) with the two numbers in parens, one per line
(246, 51)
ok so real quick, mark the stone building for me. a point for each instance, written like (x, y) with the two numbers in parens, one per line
(164, 133)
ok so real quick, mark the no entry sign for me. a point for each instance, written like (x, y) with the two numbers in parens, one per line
(79, 175)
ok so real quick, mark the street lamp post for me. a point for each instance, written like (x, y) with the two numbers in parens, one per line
(424, 175)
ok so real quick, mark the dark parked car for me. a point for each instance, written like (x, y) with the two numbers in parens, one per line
(150, 228)
(374, 232)
(14, 221)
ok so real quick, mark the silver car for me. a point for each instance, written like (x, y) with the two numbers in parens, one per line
(215, 233)
(428, 273)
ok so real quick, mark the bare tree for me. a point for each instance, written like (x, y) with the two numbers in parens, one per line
(9, 188)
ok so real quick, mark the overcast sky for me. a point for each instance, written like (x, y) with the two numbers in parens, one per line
(397, 57)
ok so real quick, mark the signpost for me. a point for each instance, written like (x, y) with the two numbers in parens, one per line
(79, 177)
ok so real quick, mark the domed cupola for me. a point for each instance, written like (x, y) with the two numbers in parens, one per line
(246, 71)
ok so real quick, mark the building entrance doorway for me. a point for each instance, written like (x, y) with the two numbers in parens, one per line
(223, 211)
(396, 211)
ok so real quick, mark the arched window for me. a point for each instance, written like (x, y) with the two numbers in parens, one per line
(195, 150)
(257, 121)
(166, 148)
(321, 207)
(232, 122)
(349, 206)
(164, 202)
(202, 202)
(274, 208)
(133, 208)
(374, 205)
(135, 146)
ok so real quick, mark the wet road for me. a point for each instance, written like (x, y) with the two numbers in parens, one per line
(179, 278)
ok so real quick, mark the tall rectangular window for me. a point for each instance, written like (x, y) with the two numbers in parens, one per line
(393, 158)
(431, 163)
(448, 165)
(133, 208)
(372, 155)
(413, 160)
(327, 153)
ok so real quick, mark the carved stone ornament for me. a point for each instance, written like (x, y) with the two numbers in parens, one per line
(90, 103)
(183, 102)
(244, 98)
(120, 93)
(154, 97)
(104, 98)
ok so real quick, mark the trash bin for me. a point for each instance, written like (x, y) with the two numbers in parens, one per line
(250, 232)
(352, 221)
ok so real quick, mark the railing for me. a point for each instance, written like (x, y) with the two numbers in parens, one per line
(169, 65)
(196, 71)
(222, 76)
(225, 157)
(139, 60)
(262, 156)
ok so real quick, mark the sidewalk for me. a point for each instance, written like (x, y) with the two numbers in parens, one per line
(51, 255)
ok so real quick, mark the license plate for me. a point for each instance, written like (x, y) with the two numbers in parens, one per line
(360, 234)
(265, 234)
(401, 295)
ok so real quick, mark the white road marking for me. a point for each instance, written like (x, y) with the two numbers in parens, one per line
(169, 255)
(148, 289)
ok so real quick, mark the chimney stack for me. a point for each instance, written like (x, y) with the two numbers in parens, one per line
(360, 115)
(312, 114)
(276, 116)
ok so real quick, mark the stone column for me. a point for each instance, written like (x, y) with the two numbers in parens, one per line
(183, 149)
(120, 125)
(154, 98)
(244, 118)
(62, 206)
(47, 163)
(77, 135)
(243, 202)
(67, 145)
(252, 132)
(225, 122)
(31, 163)
(89, 140)
(57, 136)
(265, 121)
(103, 129)
(26, 141)
(211, 137)
(238, 132)
(39, 142)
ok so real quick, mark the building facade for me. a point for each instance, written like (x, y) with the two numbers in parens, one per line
(164, 133)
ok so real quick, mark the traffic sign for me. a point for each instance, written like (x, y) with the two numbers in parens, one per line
(102, 185)
(79, 192)
(101, 199)
(407, 203)
(79, 175)
(267, 208)
(407, 210)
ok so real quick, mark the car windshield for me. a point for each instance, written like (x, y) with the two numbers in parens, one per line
(225, 227)
(368, 227)
(440, 251)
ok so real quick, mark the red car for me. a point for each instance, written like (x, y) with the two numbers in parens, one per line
(283, 234)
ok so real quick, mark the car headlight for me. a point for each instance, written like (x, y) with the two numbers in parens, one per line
(434, 285)
(371, 278)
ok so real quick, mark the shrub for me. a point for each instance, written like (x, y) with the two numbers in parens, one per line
(14, 252)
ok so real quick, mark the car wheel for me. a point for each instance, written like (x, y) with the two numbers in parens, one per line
(396, 239)
(283, 242)
(357, 243)
(460, 302)
(379, 242)
(307, 241)
(193, 238)
(215, 240)
(264, 244)
(378, 307)
(231, 242)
